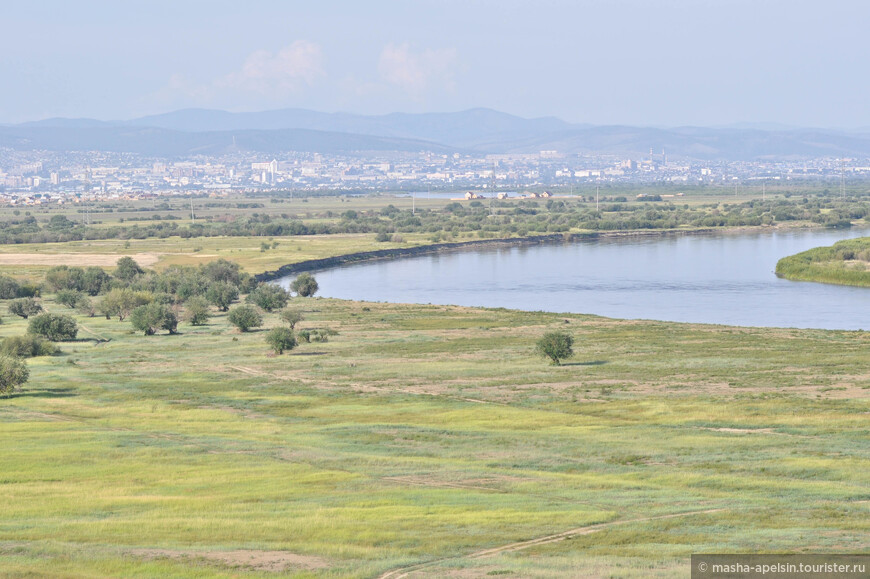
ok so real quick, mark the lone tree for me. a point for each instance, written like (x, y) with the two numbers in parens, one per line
(291, 318)
(54, 327)
(305, 285)
(281, 339)
(152, 317)
(556, 346)
(24, 307)
(268, 297)
(245, 318)
(13, 373)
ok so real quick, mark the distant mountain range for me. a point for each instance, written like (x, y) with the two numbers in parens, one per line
(192, 131)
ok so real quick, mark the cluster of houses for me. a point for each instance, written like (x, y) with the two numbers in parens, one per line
(504, 195)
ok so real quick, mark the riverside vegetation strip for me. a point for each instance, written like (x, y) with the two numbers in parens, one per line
(847, 262)
(420, 437)
(266, 234)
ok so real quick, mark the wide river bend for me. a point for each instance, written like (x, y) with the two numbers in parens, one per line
(719, 279)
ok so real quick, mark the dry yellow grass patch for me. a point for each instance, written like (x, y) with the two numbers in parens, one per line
(75, 259)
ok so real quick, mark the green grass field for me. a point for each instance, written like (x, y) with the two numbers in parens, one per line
(432, 440)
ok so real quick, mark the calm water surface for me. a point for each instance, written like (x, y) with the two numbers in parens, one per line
(720, 279)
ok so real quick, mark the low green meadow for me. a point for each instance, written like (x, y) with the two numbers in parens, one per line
(419, 437)
(846, 262)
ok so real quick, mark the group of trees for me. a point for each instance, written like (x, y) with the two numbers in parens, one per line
(155, 301)
(152, 301)
(42, 330)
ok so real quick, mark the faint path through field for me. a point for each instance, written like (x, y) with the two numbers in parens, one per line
(520, 545)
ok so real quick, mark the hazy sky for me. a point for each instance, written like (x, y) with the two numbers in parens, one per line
(646, 62)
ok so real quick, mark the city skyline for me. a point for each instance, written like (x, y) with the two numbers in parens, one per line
(668, 63)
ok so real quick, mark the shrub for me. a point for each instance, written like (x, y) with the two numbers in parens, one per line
(95, 280)
(245, 318)
(223, 271)
(24, 307)
(86, 307)
(556, 346)
(8, 288)
(291, 318)
(222, 294)
(281, 339)
(152, 317)
(57, 328)
(29, 290)
(13, 373)
(27, 346)
(305, 285)
(196, 311)
(69, 297)
(321, 335)
(268, 297)
(62, 277)
(127, 269)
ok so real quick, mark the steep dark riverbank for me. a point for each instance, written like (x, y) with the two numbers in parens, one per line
(339, 260)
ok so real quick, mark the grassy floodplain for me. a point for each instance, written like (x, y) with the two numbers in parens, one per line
(846, 262)
(431, 439)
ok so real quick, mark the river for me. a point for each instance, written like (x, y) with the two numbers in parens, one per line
(720, 279)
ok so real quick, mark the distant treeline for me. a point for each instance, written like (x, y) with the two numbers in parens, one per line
(489, 218)
(847, 262)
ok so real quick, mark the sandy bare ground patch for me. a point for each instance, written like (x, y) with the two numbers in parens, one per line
(75, 259)
(273, 561)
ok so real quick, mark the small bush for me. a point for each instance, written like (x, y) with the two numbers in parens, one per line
(86, 307)
(305, 285)
(13, 373)
(57, 328)
(281, 339)
(222, 294)
(27, 346)
(196, 311)
(245, 318)
(8, 288)
(268, 297)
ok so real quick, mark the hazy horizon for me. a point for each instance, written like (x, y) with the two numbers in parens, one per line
(669, 63)
(736, 125)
